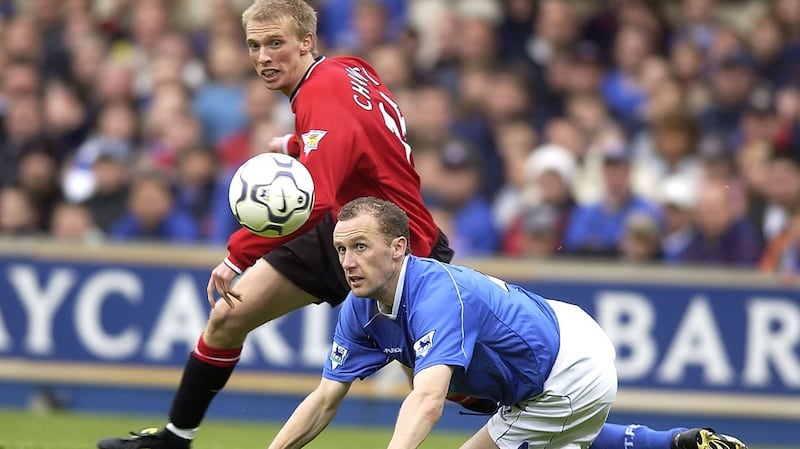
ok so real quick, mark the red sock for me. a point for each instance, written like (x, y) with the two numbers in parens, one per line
(214, 356)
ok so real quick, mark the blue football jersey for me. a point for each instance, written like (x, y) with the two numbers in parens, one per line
(501, 339)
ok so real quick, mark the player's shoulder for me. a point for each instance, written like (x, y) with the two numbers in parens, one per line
(355, 307)
(430, 272)
(337, 71)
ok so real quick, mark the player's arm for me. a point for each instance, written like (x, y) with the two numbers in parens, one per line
(312, 415)
(422, 408)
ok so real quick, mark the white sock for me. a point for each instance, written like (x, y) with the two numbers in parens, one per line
(186, 434)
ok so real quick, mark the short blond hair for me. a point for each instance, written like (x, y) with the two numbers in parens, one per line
(300, 13)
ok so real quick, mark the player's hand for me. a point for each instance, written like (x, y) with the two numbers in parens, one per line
(275, 145)
(220, 281)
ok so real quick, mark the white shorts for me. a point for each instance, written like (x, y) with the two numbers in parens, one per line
(577, 395)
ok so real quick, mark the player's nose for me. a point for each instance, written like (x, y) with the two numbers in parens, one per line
(264, 55)
(347, 260)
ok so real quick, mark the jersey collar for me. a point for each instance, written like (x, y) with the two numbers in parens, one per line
(317, 61)
(398, 293)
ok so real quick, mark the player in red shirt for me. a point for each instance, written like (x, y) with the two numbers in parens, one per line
(350, 134)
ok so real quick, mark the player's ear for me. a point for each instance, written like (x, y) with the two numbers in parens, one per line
(307, 43)
(399, 246)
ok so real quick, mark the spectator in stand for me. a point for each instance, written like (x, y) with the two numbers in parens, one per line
(674, 153)
(47, 18)
(787, 114)
(699, 21)
(782, 193)
(458, 203)
(585, 68)
(430, 126)
(556, 83)
(220, 102)
(555, 31)
(73, 223)
(588, 112)
(641, 239)
(118, 119)
(588, 185)
(538, 234)
(470, 113)
(773, 56)
(788, 12)
(23, 129)
(516, 139)
(38, 179)
(515, 29)
(20, 78)
(506, 100)
(727, 41)
(101, 179)
(166, 101)
(507, 97)
(688, 65)
(114, 81)
(395, 63)
(732, 81)
(654, 73)
(677, 200)
(596, 229)
(469, 38)
(356, 26)
(782, 254)
(648, 16)
(88, 63)
(621, 88)
(752, 166)
(146, 22)
(195, 183)
(66, 117)
(18, 216)
(22, 40)
(183, 133)
(170, 127)
(152, 213)
(175, 57)
(547, 201)
(214, 19)
(719, 235)
(759, 123)
(668, 98)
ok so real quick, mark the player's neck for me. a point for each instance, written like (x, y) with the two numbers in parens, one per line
(302, 70)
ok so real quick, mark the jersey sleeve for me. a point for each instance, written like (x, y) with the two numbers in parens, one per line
(444, 333)
(292, 146)
(245, 247)
(353, 355)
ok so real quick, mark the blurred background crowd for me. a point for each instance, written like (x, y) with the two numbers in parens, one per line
(647, 131)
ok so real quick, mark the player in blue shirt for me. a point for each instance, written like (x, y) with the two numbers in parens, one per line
(548, 364)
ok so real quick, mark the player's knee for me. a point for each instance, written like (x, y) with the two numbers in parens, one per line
(225, 327)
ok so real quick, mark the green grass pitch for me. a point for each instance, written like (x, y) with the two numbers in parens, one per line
(21, 429)
(65, 430)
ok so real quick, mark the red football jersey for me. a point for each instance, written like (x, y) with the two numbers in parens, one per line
(351, 135)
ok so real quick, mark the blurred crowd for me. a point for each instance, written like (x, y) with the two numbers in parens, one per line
(644, 131)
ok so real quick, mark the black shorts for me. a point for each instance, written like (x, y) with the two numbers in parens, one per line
(311, 262)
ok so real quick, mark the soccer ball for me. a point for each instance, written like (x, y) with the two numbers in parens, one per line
(271, 194)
